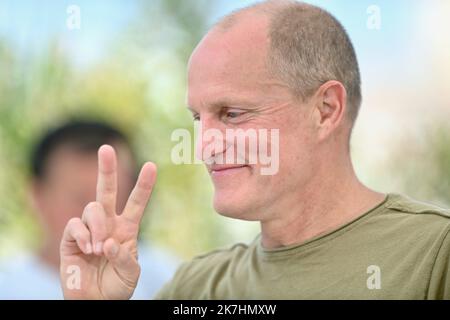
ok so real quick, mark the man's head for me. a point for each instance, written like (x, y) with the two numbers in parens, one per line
(64, 171)
(276, 65)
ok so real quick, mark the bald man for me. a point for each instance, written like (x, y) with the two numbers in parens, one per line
(287, 66)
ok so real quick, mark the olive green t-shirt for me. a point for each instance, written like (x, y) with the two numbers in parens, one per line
(398, 250)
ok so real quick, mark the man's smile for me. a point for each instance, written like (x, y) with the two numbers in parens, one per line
(223, 170)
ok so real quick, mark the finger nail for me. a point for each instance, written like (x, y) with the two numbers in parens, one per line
(99, 247)
(88, 248)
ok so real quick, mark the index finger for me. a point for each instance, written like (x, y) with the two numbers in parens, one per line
(107, 179)
(134, 209)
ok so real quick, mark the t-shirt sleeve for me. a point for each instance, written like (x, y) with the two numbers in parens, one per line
(167, 292)
(164, 292)
(440, 276)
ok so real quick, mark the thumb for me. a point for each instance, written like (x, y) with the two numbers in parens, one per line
(123, 261)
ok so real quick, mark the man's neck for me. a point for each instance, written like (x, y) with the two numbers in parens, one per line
(322, 208)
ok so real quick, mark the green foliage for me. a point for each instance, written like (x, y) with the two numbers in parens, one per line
(423, 165)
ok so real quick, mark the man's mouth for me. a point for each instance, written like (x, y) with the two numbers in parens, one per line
(219, 169)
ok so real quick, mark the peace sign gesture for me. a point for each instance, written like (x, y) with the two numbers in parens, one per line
(99, 251)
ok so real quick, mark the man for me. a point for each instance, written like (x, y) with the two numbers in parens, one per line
(324, 235)
(64, 173)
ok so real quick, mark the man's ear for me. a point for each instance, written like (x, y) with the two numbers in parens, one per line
(331, 105)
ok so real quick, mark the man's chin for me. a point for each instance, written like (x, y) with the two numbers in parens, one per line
(233, 209)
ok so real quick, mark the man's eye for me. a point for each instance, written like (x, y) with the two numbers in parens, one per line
(233, 114)
(196, 117)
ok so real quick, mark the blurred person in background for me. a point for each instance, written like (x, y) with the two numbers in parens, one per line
(64, 174)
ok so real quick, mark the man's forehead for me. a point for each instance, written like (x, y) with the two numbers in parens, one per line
(246, 40)
(230, 62)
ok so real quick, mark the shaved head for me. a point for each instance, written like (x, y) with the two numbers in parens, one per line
(307, 47)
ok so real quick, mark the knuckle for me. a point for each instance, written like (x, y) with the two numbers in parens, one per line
(97, 230)
(106, 188)
(92, 211)
(79, 235)
(134, 200)
(73, 222)
(93, 206)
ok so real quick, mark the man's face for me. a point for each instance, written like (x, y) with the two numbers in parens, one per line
(229, 87)
(70, 184)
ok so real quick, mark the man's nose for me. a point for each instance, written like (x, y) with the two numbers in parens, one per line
(210, 139)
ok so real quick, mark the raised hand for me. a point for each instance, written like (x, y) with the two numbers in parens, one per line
(99, 251)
